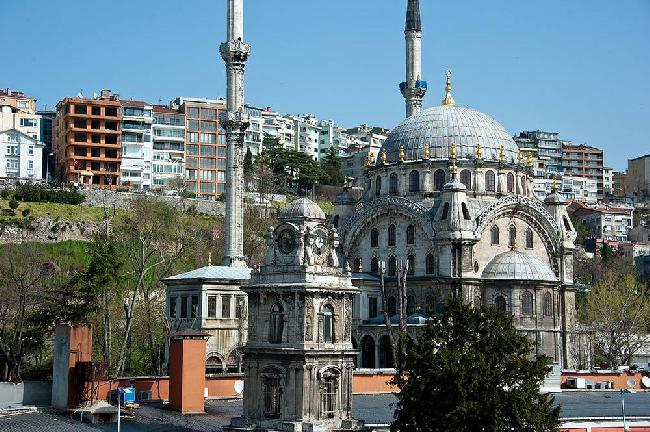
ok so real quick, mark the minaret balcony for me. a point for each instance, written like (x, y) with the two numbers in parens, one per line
(419, 84)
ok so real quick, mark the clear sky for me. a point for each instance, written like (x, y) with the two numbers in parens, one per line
(577, 67)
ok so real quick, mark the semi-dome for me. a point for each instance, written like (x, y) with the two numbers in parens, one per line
(517, 265)
(302, 208)
(441, 126)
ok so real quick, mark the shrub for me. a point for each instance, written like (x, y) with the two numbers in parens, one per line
(38, 193)
(26, 212)
(4, 194)
(13, 203)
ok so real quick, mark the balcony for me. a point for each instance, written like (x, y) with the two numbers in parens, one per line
(136, 126)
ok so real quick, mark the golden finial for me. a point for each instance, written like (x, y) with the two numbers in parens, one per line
(520, 157)
(427, 152)
(554, 187)
(502, 153)
(448, 100)
(453, 153)
(454, 168)
(529, 160)
(210, 259)
(479, 151)
(401, 153)
(369, 159)
(513, 246)
(383, 156)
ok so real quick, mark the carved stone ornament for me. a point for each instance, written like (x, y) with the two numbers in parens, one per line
(309, 319)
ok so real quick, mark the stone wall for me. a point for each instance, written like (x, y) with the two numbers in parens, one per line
(47, 230)
(122, 200)
(27, 393)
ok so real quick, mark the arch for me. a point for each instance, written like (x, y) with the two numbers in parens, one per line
(374, 265)
(214, 364)
(378, 186)
(466, 215)
(529, 238)
(510, 182)
(392, 266)
(385, 353)
(410, 305)
(335, 222)
(430, 305)
(490, 184)
(527, 303)
(466, 178)
(500, 303)
(445, 211)
(391, 235)
(494, 235)
(374, 237)
(439, 179)
(548, 304)
(410, 234)
(367, 352)
(414, 181)
(235, 361)
(276, 324)
(512, 235)
(392, 183)
(410, 259)
(392, 306)
(430, 264)
(328, 323)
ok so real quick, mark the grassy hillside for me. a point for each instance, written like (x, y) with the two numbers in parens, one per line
(51, 210)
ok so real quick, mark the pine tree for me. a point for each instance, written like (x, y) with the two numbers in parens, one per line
(331, 166)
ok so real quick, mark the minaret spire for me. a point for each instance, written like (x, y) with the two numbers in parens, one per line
(414, 88)
(235, 121)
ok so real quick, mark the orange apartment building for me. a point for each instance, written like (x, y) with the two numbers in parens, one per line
(88, 142)
(584, 161)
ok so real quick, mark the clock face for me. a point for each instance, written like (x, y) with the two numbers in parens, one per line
(287, 241)
(320, 241)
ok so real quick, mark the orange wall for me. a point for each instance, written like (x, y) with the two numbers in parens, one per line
(187, 375)
(372, 383)
(618, 378)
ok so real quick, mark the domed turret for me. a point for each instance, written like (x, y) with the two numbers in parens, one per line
(302, 208)
(519, 266)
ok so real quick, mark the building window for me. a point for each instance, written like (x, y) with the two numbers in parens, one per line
(489, 181)
(367, 352)
(328, 395)
(548, 304)
(466, 178)
(430, 264)
(527, 303)
(392, 266)
(225, 306)
(328, 324)
(392, 306)
(272, 397)
(410, 305)
(512, 231)
(500, 303)
(172, 307)
(374, 237)
(385, 353)
(414, 181)
(439, 179)
(430, 305)
(276, 324)
(30, 164)
(357, 264)
(212, 306)
(374, 265)
(184, 307)
(378, 186)
(411, 263)
(466, 215)
(240, 306)
(494, 235)
(445, 211)
(30, 150)
(195, 306)
(529, 238)
(392, 184)
(511, 183)
(410, 234)
(372, 307)
(391, 235)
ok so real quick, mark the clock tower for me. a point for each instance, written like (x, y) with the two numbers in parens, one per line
(299, 356)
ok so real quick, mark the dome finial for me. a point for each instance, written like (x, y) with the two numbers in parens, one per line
(401, 153)
(479, 151)
(383, 156)
(452, 154)
(427, 152)
(448, 100)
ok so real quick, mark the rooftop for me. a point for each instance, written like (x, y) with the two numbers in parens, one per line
(214, 273)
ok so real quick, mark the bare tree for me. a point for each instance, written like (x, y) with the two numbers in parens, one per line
(396, 344)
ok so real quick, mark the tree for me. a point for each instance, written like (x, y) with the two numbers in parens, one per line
(476, 373)
(331, 167)
(248, 167)
(616, 310)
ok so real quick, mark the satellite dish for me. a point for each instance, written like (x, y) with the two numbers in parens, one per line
(646, 381)
(239, 387)
(631, 383)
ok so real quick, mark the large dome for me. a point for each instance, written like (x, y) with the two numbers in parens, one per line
(517, 265)
(441, 126)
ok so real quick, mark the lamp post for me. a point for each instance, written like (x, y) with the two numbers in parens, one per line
(625, 428)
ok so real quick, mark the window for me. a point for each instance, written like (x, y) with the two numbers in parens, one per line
(529, 238)
(225, 306)
(500, 303)
(445, 211)
(430, 264)
(548, 304)
(477, 302)
(466, 178)
(372, 307)
(193, 137)
(494, 235)
(466, 215)
(411, 262)
(392, 306)
(430, 305)
(378, 186)
(512, 231)
(172, 307)
(374, 237)
(357, 265)
(439, 179)
(184, 307)
(328, 324)
(414, 181)
(511, 183)
(489, 181)
(410, 234)
(392, 183)
(30, 164)
(195, 306)
(392, 266)
(391, 235)
(272, 397)
(328, 396)
(240, 305)
(212, 306)
(527, 303)
(523, 185)
(374, 265)
(276, 324)
(30, 150)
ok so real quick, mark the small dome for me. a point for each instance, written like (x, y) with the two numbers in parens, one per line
(517, 265)
(344, 198)
(441, 126)
(302, 208)
(416, 318)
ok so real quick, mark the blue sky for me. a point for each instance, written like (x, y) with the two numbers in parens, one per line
(577, 67)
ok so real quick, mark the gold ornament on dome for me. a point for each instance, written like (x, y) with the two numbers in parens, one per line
(529, 160)
(427, 152)
(448, 100)
(453, 153)
(479, 151)
(401, 153)
(502, 153)
(383, 156)
(520, 157)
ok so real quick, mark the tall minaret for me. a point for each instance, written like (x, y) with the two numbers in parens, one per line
(414, 88)
(235, 52)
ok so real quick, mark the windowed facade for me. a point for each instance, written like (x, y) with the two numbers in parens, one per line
(529, 238)
(328, 396)
(328, 324)
(374, 265)
(410, 234)
(411, 264)
(439, 179)
(378, 186)
(414, 181)
(466, 178)
(511, 182)
(272, 397)
(391, 235)
(512, 232)
(527, 303)
(494, 235)
(374, 237)
(225, 306)
(392, 266)
(548, 304)
(392, 183)
(276, 324)
(212, 306)
(372, 307)
(392, 306)
(490, 185)
(430, 264)
(500, 303)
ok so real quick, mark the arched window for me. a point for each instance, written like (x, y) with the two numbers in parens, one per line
(336, 221)
(489, 181)
(328, 389)
(511, 182)
(512, 231)
(276, 324)
(410, 305)
(494, 235)
(392, 306)
(410, 234)
(527, 303)
(529, 238)
(466, 178)
(391, 235)
(374, 237)
(374, 265)
(523, 185)
(378, 186)
(328, 324)
(439, 179)
(392, 266)
(385, 353)
(445, 211)
(392, 183)
(430, 305)
(500, 303)
(357, 265)
(368, 352)
(414, 181)
(272, 395)
(548, 304)
(411, 263)
(430, 264)
(466, 215)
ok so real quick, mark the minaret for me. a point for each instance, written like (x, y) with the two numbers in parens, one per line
(414, 88)
(235, 52)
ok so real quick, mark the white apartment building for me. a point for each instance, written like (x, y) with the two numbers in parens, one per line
(168, 152)
(254, 134)
(572, 188)
(606, 222)
(307, 133)
(330, 136)
(18, 111)
(20, 156)
(137, 146)
(608, 181)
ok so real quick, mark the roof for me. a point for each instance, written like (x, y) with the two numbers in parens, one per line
(302, 208)
(413, 21)
(132, 103)
(515, 265)
(214, 273)
(13, 130)
(166, 110)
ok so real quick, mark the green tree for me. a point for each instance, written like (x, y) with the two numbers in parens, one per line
(581, 230)
(331, 168)
(471, 370)
(248, 163)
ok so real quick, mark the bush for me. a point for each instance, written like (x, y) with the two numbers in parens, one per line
(13, 204)
(4, 194)
(26, 212)
(37, 193)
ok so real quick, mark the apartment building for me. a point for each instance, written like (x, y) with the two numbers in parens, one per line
(205, 146)
(137, 144)
(254, 134)
(168, 133)
(637, 181)
(584, 161)
(18, 111)
(608, 181)
(331, 136)
(603, 221)
(88, 140)
(572, 188)
(20, 157)
(307, 132)
(47, 129)
(547, 146)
